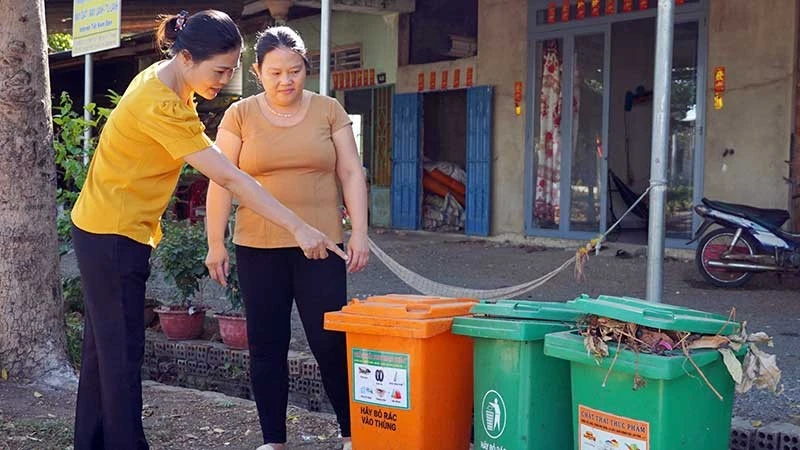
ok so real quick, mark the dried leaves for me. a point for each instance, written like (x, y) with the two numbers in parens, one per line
(599, 330)
(758, 368)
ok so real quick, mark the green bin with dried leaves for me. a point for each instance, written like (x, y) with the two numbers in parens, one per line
(651, 376)
(522, 397)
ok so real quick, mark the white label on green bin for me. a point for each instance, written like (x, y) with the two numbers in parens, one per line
(380, 378)
(493, 414)
(603, 431)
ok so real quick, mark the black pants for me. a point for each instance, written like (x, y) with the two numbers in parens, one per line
(114, 270)
(270, 279)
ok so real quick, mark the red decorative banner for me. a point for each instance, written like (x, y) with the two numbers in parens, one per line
(611, 7)
(421, 82)
(644, 4)
(565, 11)
(680, 2)
(469, 77)
(518, 92)
(457, 78)
(348, 80)
(627, 5)
(551, 12)
(444, 79)
(595, 8)
(719, 79)
(371, 77)
(335, 80)
(359, 78)
(580, 13)
(432, 85)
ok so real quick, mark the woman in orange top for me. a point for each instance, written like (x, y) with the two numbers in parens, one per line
(300, 146)
(116, 220)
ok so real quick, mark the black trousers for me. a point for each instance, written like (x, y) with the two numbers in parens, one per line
(270, 279)
(114, 270)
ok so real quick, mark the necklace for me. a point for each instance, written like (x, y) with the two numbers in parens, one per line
(279, 114)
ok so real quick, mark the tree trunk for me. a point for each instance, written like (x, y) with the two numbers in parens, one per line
(32, 338)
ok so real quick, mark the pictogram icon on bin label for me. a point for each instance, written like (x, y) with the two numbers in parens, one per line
(493, 414)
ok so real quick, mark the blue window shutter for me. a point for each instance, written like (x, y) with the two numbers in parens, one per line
(479, 160)
(406, 161)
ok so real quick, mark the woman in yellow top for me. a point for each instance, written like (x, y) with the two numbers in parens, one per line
(116, 221)
(300, 146)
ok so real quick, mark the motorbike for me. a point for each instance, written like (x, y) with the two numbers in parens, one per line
(746, 241)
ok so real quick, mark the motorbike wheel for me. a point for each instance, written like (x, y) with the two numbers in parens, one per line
(711, 246)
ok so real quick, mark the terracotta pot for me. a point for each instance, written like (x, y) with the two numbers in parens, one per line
(233, 330)
(178, 325)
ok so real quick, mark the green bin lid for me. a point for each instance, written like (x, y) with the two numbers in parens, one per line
(655, 315)
(520, 309)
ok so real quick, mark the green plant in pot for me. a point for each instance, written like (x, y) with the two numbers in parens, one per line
(233, 321)
(180, 256)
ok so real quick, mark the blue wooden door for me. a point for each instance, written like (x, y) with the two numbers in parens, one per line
(406, 161)
(479, 160)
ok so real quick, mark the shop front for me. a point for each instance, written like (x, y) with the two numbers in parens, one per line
(588, 151)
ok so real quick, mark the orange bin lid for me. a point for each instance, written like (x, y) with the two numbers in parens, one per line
(414, 316)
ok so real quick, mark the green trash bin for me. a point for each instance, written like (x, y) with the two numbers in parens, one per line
(522, 397)
(674, 410)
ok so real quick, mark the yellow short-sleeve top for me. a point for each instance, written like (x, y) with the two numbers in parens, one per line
(138, 160)
(296, 164)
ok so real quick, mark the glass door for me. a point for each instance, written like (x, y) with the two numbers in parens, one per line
(548, 142)
(588, 105)
(683, 131)
(630, 126)
(569, 137)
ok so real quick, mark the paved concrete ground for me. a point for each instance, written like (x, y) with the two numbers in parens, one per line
(768, 303)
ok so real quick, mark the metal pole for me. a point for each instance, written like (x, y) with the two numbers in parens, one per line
(325, 48)
(662, 82)
(87, 98)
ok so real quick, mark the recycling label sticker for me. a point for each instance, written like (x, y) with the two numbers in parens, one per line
(381, 378)
(599, 430)
(493, 414)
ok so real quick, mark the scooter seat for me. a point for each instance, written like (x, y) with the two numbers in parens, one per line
(772, 217)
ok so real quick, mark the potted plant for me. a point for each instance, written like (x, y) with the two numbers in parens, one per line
(180, 256)
(233, 322)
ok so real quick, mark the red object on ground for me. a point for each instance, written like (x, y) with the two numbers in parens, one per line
(453, 184)
(434, 186)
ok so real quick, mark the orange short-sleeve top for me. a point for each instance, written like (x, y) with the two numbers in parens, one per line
(296, 164)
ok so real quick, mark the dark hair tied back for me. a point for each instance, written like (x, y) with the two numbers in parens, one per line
(204, 34)
(280, 37)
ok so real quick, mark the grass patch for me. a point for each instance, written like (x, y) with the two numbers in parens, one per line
(35, 434)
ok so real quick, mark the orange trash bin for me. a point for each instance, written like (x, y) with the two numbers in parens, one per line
(410, 378)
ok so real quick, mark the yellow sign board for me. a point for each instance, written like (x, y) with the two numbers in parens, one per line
(95, 25)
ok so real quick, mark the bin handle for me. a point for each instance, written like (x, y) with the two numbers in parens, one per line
(523, 306)
(418, 308)
(659, 314)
